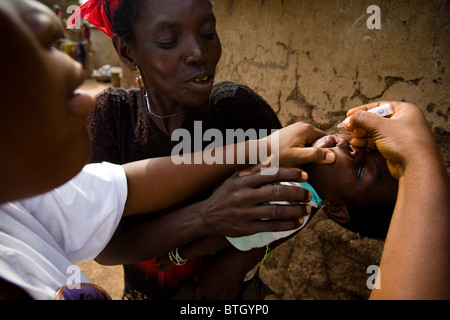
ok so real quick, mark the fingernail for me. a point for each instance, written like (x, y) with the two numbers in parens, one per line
(347, 122)
(330, 156)
(243, 173)
(304, 176)
(248, 172)
(267, 162)
(308, 210)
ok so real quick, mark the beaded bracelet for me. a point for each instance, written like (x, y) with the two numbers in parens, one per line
(266, 255)
(176, 258)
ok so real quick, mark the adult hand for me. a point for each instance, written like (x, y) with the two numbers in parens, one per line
(419, 230)
(235, 209)
(403, 139)
(291, 146)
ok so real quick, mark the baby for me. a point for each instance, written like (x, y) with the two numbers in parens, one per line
(357, 191)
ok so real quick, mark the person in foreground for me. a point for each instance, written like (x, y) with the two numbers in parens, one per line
(54, 210)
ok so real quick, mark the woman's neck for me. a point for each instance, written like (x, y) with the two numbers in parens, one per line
(167, 115)
(167, 122)
(169, 125)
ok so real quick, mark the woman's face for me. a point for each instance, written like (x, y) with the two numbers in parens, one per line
(178, 49)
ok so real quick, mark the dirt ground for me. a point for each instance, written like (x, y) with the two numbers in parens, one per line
(109, 278)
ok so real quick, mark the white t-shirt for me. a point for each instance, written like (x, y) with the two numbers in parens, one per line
(41, 238)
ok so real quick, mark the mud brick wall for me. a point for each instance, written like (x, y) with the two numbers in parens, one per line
(313, 60)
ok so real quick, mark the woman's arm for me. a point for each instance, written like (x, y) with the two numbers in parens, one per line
(233, 210)
(197, 248)
(415, 262)
(156, 177)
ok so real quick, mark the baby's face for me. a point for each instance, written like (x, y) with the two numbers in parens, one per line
(359, 175)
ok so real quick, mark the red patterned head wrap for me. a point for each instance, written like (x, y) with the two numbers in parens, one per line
(97, 12)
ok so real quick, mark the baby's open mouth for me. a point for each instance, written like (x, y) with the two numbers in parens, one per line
(336, 141)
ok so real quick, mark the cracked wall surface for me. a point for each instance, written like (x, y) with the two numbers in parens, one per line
(314, 60)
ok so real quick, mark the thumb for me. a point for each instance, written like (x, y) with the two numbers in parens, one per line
(313, 155)
(364, 120)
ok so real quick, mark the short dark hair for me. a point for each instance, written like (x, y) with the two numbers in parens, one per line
(126, 14)
(371, 222)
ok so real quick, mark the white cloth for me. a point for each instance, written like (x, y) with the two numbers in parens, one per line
(41, 238)
(262, 239)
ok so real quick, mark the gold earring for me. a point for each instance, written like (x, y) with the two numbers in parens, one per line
(138, 78)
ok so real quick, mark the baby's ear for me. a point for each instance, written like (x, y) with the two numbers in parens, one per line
(336, 210)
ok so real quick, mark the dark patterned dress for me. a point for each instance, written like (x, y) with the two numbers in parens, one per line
(123, 132)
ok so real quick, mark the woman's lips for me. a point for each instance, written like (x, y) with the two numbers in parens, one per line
(201, 83)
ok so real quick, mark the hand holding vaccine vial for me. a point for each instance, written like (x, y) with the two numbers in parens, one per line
(385, 110)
